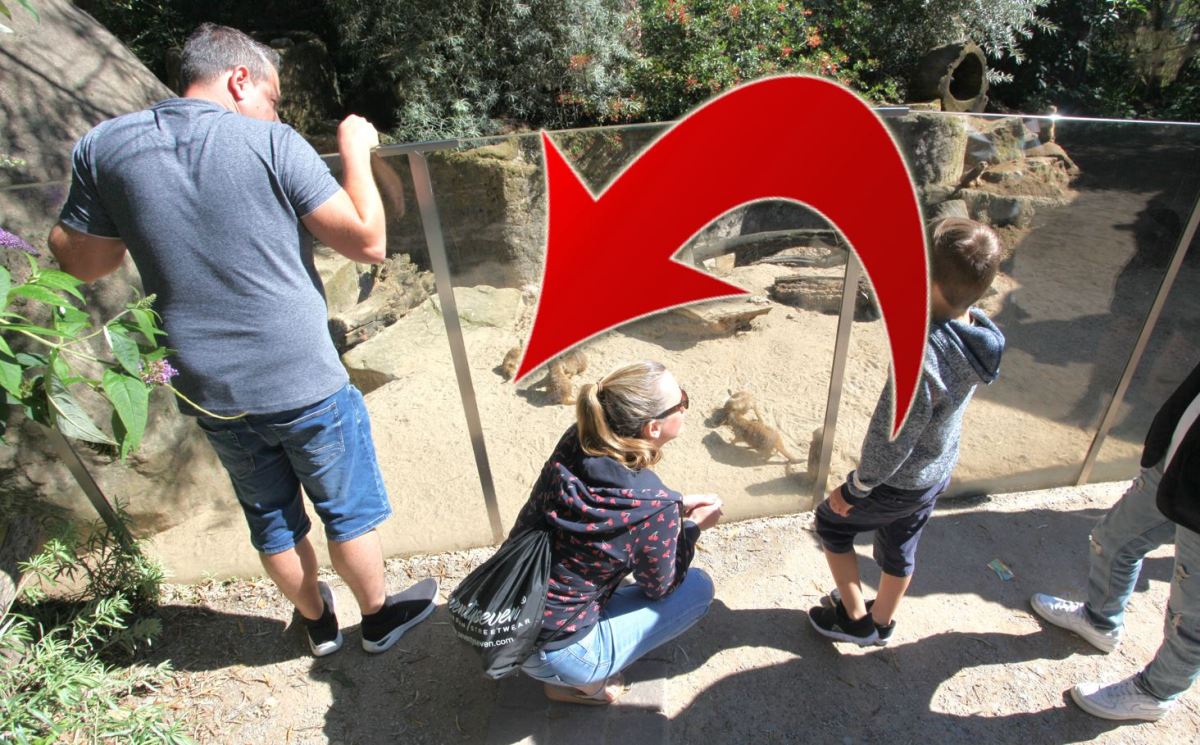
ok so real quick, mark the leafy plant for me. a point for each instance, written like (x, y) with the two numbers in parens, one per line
(428, 69)
(57, 680)
(693, 49)
(52, 358)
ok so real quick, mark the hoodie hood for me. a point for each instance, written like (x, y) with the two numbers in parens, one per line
(594, 495)
(972, 350)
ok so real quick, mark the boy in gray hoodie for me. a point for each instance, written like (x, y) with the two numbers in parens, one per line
(894, 489)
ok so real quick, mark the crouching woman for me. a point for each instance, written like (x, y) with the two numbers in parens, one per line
(611, 516)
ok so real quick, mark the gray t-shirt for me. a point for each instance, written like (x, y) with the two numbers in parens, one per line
(209, 204)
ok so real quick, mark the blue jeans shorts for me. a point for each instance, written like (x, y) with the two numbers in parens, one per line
(324, 447)
(896, 515)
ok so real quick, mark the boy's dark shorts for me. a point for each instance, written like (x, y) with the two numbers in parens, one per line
(896, 515)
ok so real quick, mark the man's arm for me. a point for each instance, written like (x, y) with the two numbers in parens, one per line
(352, 221)
(88, 257)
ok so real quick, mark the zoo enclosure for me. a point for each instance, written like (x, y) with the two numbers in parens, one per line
(1098, 300)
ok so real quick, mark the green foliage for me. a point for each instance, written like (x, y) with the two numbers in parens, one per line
(39, 376)
(692, 50)
(57, 681)
(886, 40)
(1106, 58)
(428, 69)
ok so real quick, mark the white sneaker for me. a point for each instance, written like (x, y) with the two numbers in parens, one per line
(1070, 615)
(1122, 700)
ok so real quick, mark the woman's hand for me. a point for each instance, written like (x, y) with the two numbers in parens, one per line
(708, 513)
(692, 501)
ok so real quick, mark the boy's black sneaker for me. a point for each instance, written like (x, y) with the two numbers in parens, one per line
(885, 632)
(835, 624)
(399, 613)
(324, 636)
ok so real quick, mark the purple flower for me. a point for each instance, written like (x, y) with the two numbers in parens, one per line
(158, 372)
(12, 240)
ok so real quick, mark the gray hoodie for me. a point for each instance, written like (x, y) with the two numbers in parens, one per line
(959, 356)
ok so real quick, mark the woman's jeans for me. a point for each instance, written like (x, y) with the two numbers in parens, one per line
(630, 625)
(1130, 530)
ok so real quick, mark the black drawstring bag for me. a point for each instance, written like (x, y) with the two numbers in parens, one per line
(497, 610)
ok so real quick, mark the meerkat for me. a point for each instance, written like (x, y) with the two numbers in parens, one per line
(574, 362)
(970, 179)
(558, 377)
(756, 433)
(739, 404)
(558, 384)
(508, 368)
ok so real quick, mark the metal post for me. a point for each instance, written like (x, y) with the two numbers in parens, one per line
(841, 349)
(107, 512)
(1140, 347)
(432, 224)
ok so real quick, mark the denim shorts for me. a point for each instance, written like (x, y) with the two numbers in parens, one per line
(896, 515)
(325, 447)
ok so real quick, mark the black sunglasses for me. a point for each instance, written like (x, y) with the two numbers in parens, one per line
(681, 406)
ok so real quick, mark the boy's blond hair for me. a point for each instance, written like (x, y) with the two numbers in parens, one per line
(964, 258)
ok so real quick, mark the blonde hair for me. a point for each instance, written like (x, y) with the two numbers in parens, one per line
(610, 414)
(964, 259)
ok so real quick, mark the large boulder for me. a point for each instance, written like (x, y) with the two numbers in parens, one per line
(62, 76)
(933, 145)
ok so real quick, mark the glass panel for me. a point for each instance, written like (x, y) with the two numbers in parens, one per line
(1091, 219)
(1171, 354)
(386, 322)
(776, 345)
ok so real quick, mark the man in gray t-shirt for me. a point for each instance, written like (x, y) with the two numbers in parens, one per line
(218, 203)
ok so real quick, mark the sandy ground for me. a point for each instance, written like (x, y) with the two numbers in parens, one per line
(969, 662)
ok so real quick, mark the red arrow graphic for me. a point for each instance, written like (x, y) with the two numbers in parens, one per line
(796, 138)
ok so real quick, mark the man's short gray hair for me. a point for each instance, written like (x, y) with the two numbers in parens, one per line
(212, 50)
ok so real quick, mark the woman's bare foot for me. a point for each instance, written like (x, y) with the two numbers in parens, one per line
(599, 694)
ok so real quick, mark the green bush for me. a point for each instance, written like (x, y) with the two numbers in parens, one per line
(58, 677)
(429, 69)
(886, 40)
(692, 50)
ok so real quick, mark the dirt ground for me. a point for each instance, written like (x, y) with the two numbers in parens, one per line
(969, 662)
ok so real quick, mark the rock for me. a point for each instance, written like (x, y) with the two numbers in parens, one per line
(492, 208)
(721, 317)
(949, 208)
(933, 146)
(997, 141)
(390, 291)
(485, 306)
(824, 295)
(341, 278)
(818, 255)
(721, 265)
(1054, 150)
(63, 74)
(414, 345)
(307, 77)
(1002, 210)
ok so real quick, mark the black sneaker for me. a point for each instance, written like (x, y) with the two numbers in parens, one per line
(400, 613)
(885, 632)
(324, 636)
(835, 624)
